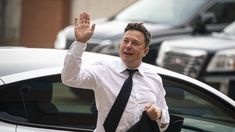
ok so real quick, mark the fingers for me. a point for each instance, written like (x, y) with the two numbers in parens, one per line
(163, 125)
(153, 111)
(83, 30)
(147, 106)
(87, 18)
(84, 18)
(76, 23)
(92, 28)
(81, 18)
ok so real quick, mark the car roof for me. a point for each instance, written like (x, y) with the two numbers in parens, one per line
(19, 64)
(16, 60)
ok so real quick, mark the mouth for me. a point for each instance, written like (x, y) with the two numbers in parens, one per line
(127, 53)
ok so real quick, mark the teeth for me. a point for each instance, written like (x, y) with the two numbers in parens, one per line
(127, 53)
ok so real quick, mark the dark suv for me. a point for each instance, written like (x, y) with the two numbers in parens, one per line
(208, 58)
(166, 19)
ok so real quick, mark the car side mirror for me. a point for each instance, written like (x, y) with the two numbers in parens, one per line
(208, 18)
(199, 27)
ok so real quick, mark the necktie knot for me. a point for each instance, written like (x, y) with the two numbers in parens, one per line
(131, 71)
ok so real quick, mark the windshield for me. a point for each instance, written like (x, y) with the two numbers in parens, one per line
(230, 29)
(171, 12)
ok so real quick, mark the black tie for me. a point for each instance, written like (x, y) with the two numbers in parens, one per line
(112, 120)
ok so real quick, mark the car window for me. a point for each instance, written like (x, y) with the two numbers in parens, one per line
(175, 12)
(224, 11)
(11, 104)
(47, 101)
(73, 100)
(196, 105)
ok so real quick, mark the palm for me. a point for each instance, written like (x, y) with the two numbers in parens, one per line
(83, 31)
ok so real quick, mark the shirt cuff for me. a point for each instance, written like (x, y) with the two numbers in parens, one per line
(165, 117)
(164, 120)
(77, 48)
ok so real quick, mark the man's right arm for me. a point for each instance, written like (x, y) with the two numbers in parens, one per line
(72, 64)
(83, 31)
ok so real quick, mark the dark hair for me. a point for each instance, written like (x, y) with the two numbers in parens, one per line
(140, 27)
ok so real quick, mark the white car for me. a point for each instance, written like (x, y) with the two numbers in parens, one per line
(33, 99)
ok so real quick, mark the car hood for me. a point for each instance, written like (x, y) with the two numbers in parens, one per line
(114, 30)
(210, 43)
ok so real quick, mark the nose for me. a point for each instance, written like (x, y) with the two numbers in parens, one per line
(128, 46)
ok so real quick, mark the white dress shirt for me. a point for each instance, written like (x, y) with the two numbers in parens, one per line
(106, 79)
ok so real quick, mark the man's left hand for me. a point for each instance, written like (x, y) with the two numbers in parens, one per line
(153, 111)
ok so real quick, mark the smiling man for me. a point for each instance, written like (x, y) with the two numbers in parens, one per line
(133, 45)
(106, 78)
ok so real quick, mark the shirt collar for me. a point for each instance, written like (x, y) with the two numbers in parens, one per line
(121, 67)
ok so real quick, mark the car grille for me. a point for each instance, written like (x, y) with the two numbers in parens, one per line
(188, 62)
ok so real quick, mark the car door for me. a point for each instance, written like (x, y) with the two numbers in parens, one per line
(7, 127)
(37, 129)
(200, 109)
(45, 104)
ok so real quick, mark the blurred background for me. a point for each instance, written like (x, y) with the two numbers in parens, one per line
(35, 23)
(198, 36)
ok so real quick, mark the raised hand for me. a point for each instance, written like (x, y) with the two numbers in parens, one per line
(83, 31)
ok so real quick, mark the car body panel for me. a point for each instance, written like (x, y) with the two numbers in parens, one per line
(1, 82)
(31, 129)
(15, 62)
(6, 127)
(37, 128)
(207, 124)
(209, 43)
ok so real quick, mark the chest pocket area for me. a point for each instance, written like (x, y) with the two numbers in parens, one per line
(145, 92)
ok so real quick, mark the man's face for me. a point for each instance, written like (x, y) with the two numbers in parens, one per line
(132, 48)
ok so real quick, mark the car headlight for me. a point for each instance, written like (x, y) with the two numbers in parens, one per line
(223, 61)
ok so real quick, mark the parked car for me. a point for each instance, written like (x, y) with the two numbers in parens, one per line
(210, 59)
(166, 19)
(34, 99)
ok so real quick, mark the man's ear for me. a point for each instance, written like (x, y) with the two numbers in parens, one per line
(146, 50)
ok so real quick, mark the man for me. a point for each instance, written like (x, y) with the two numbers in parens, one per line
(106, 78)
